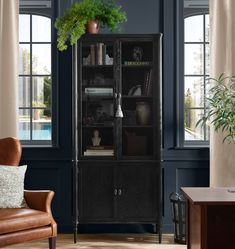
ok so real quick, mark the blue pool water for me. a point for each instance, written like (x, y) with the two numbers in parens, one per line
(44, 133)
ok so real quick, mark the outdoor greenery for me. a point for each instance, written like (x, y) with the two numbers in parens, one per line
(72, 25)
(47, 95)
(188, 103)
(221, 103)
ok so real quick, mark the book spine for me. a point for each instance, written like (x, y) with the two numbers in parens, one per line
(96, 53)
(86, 153)
(99, 54)
(146, 79)
(99, 151)
(104, 54)
(150, 83)
(92, 52)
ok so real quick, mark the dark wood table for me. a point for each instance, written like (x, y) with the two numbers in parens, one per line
(210, 218)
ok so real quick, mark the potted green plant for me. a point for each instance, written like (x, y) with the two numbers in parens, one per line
(37, 113)
(74, 23)
(221, 102)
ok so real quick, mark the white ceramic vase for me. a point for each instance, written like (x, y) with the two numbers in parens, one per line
(143, 113)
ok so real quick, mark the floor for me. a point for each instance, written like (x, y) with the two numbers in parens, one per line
(106, 241)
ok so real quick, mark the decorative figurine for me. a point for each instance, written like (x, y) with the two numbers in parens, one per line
(96, 138)
(137, 53)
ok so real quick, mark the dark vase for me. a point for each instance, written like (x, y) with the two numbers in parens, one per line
(92, 27)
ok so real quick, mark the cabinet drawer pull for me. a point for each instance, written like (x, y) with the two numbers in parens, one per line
(119, 192)
(115, 191)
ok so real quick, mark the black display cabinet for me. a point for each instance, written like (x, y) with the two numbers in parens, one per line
(117, 129)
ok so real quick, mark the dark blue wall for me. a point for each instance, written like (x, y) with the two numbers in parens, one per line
(51, 168)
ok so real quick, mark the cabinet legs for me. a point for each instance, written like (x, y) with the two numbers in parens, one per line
(75, 234)
(158, 229)
(160, 235)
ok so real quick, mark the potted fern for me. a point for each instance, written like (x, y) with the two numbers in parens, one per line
(75, 22)
(221, 101)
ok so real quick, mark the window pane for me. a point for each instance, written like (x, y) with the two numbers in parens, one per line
(41, 29)
(193, 29)
(193, 59)
(24, 28)
(207, 28)
(41, 58)
(191, 116)
(193, 92)
(24, 91)
(207, 59)
(42, 130)
(24, 124)
(24, 59)
(41, 92)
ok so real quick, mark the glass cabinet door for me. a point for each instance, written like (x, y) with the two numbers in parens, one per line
(137, 98)
(97, 99)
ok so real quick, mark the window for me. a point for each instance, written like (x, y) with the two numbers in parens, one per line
(35, 79)
(196, 72)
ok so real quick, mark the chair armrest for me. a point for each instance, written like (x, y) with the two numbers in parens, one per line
(41, 200)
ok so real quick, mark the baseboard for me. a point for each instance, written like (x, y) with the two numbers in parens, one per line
(114, 228)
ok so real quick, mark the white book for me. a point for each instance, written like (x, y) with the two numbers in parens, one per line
(98, 153)
(99, 91)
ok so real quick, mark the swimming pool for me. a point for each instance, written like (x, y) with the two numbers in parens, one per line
(41, 132)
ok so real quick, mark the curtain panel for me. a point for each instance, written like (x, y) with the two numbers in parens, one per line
(9, 15)
(222, 52)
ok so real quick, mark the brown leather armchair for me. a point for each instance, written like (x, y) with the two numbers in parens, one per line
(19, 225)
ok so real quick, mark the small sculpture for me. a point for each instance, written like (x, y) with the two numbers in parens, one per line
(137, 54)
(96, 138)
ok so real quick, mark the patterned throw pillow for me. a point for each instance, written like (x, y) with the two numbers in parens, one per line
(12, 186)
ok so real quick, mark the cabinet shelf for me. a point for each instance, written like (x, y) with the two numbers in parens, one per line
(96, 66)
(137, 66)
(97, 86)
(137, 126)
(126, 157)
(137, 97)
(97, 126)
(95, 98)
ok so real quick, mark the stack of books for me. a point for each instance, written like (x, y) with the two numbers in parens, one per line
(99, 151)
(137, 63)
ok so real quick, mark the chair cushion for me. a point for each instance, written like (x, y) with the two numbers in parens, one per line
(18, 219)
(12, 186)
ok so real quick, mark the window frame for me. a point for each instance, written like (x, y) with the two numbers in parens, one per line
(49, 13)
(180, 74)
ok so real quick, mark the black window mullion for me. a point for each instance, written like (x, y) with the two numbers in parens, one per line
(31, 81)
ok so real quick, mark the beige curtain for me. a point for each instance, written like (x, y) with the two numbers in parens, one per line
(222, 42)
(9, 13)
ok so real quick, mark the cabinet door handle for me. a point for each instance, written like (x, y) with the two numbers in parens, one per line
(119, 192)
(115, 191)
